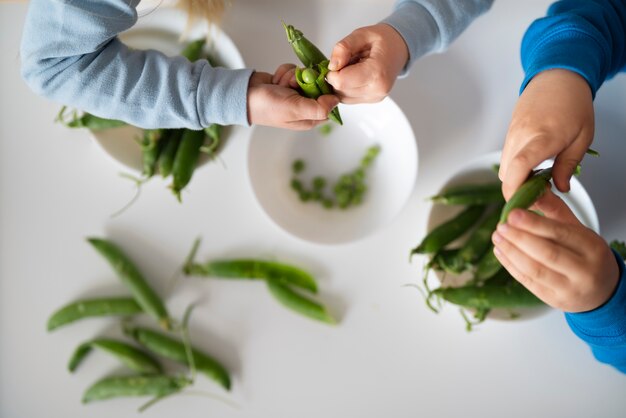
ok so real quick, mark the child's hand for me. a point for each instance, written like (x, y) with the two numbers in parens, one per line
(364, 65)
(282, 107)
(562, 262)
(553, 117)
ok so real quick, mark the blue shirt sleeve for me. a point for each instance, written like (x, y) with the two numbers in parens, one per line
(584, 36)
(604, 328)
(431, 25)
(71, 54)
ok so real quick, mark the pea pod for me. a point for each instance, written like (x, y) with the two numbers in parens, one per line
(87, 120)
(298, 303)
(479, 241)
(158, 386)
(173, 349)
(447, 260)
(448, 231)
(193, 50)
(149, 301)
(528, 193)
(505, 293)
(90, 308)
(132, 357)
(168, 153)
(186, 160)
(151, 145)
(304, 49)
(619, 247)
(470, 194)
(487, 266)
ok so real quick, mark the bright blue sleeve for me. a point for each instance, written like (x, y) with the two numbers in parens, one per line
(71, 54)
(584, 36)
(604, 328)
(431, 25)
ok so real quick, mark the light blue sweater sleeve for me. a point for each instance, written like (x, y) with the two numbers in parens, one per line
(431, 25)
(71, 54)
(604, 328)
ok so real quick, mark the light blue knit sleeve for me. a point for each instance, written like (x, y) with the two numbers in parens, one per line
(431, 25)
(71, 54)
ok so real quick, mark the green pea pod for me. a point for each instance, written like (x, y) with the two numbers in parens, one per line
(326, 88)
(193, 50)
(298, 303)
(168, 153)
(447, 260)
(145, 296)
(173, 349)
(92, 122)
(186, 160)
(306, 52)
(507, 293)
(132, 357)
(450, 230)
(214, 132)
(470, 194)
(619, 247)
(479, 241)
(90, 308)
(310, 88)
(254, 269)
(488, 266)
(528, 193)
(158, 386)
(151, 146)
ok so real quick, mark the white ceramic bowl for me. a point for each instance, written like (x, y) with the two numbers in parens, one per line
(390, 179)
(161, 30)
(480, 170)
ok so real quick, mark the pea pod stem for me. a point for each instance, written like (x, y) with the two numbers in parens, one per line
(131, 357)
(145, 296)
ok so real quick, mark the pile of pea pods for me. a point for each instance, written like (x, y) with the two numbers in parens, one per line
(170, 152)
(172, 341)
(491, 286)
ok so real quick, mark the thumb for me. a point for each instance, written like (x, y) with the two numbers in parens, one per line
(347, 48)
(565, 163)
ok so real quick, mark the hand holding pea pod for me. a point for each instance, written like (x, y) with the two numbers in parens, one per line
(311, 78)
(554, 116)
(564, 263)
(365, 64)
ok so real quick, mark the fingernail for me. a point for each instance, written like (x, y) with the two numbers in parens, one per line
(503, 229)
(497, 238)
(497, 251)
(515, 216)
(333, 65)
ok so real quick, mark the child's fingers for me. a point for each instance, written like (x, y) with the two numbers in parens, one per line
(555, 208)
(351, 77)
(346, 48)
(566, 162)
(302, 125)
(533, 284)
(542, 226)
(288, 79)
(544, 251)
(280, 72)
(303, 109)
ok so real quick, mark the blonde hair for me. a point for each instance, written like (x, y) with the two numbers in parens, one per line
(209, 10)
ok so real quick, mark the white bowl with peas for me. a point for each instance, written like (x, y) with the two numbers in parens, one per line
(336, 184)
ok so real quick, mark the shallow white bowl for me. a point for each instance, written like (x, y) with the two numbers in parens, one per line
(390, 179)
(480, 170)
(161, 30)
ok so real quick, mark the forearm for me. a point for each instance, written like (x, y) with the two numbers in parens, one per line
(604, 328)
(584, 36)
(70, 53)
(430, 26)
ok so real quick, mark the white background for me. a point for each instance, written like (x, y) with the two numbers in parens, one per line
(390, 356)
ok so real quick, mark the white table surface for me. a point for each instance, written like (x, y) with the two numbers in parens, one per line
(390, 357)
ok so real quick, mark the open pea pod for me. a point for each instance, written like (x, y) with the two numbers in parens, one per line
(313, 83)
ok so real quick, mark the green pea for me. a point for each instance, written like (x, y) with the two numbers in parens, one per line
(319, 183)
(298, 166)
(309, 75)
